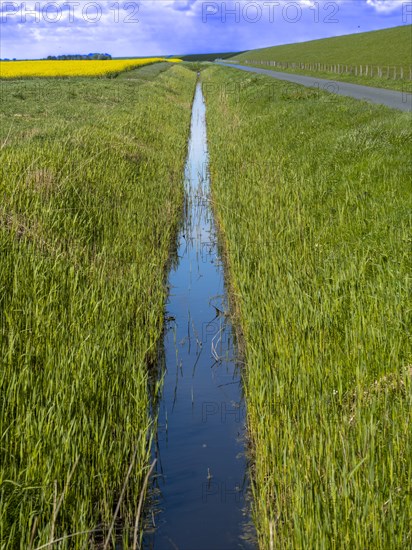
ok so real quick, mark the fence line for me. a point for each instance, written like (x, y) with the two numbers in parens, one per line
(388, 71)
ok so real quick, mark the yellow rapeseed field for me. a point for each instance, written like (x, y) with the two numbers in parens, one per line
(16, 69)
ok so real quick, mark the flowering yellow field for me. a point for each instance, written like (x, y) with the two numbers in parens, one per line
(16, 69)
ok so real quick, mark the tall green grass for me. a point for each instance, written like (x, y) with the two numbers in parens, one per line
(91, 195)
(313, 193)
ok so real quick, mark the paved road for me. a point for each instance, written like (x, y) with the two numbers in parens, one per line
(390, 98)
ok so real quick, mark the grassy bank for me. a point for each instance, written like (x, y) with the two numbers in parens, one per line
(384, 48)
(312, 193)
(91, 193)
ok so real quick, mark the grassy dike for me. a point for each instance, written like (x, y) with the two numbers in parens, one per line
(312, 194)
(91, 196)
(383, 48)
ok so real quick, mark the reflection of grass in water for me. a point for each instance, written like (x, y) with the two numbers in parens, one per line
(313, 206)
(89, 210)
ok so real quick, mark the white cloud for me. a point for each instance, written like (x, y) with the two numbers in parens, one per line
(385, 6)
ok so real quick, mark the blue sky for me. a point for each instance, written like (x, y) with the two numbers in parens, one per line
(35, 29)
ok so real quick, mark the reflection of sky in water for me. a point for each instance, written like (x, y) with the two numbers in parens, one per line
(201, 466)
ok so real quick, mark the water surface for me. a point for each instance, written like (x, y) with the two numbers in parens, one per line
(201, 470)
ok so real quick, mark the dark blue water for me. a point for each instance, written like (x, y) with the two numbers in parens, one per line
(201, 477)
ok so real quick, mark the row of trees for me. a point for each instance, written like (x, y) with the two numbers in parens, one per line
(101, 56)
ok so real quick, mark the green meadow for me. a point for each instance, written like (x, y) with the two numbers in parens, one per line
(312, 195)
(91, 197)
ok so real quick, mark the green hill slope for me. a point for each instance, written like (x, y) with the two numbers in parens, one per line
(385, 47)
(378, 58)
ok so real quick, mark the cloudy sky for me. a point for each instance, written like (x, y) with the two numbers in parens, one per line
(31, 29)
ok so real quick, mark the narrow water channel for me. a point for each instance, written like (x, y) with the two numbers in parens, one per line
(201, 477)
